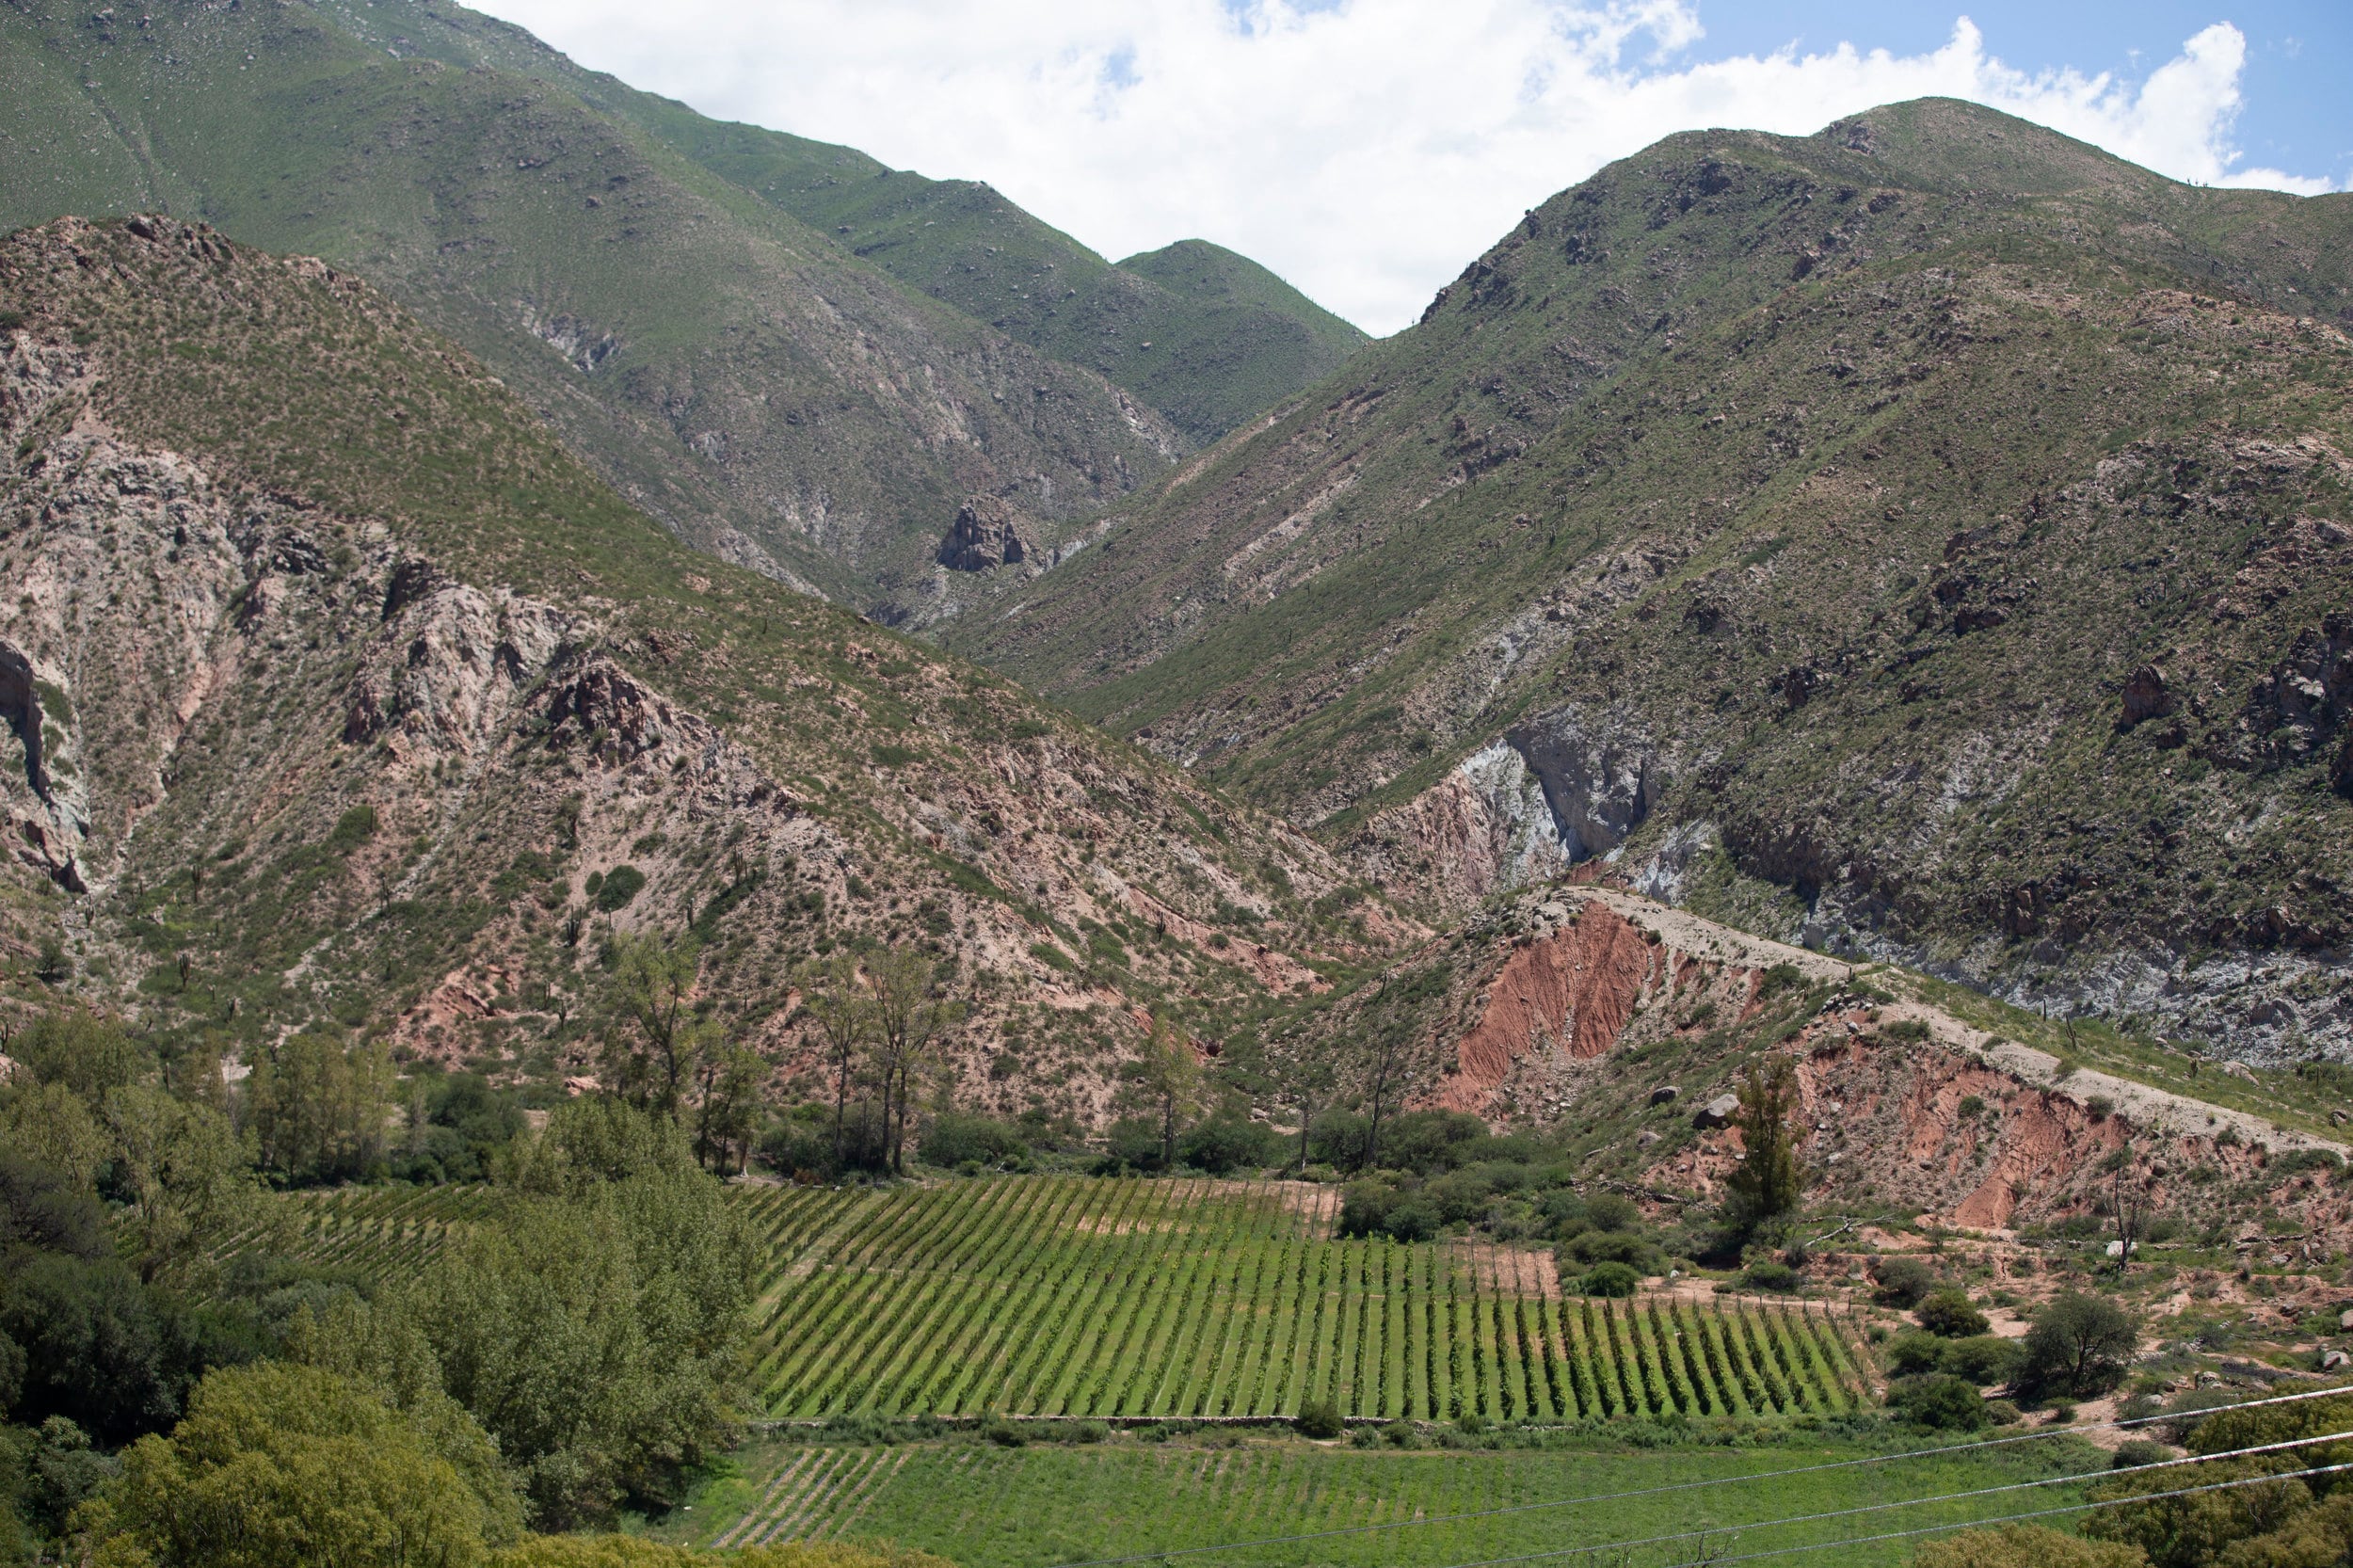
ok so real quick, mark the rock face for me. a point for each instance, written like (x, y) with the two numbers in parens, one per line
(2145, 697)
(987, 533)
(1600, 773)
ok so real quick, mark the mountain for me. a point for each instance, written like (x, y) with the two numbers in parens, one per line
(340, 695)
(1206, 337)
(1927, 539)
(744, 378)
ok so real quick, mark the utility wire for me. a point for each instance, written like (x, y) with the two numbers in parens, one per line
(1934, 1529)
(1695, 1485)
(1940, 1497)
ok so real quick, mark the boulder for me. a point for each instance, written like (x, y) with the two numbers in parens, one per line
(1664, 1095)
(1718, 1111)
(1645, 1138)
(2344, 1320)
(987, 533)
(2145, 697)
(2335, 1361)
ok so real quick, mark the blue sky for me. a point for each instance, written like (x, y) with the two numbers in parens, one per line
(2297, 80)
(1367, 148)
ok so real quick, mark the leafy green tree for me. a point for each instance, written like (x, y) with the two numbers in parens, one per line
(597, 1332)
(51, 1125)
(1938, 1399)
(2079, 1344)
(653, 1036)
(275, 1464)
(89, 1056)
(318, 1110)
(1768, 1181)
(185, 1172)
(728, 1080)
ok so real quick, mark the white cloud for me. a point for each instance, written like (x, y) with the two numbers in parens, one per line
(1365, 149)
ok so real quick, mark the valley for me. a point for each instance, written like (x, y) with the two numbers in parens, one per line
(716, 854)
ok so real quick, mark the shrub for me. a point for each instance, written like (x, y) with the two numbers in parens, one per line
(1470, 1423)
(1939, 1400)
(1948, 1315)
(1319, 1418)
(1612, 1211)
(2026, 1547)
(1767, 1274)
(1412, 1220)
(2002, 1413)
(1229, 1143)
(2079, 1344)
(1401, 1434)
(621, 884)
(2061, 1411)
(2139, 1450)
(1611, 1246)
(1913, 1354)
(1003, 1434)
(1903, 1281)
(952, 1141)
(1610, 1279)
(1981, 1358)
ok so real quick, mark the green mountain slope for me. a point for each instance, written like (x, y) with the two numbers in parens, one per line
(735, 372)
(338, 694)
(1203, 335)
(778, 402)
(1789, 518)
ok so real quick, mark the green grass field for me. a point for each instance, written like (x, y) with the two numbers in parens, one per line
(1075, 1296)
(991, 1507)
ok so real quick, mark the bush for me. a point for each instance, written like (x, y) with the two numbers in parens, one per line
(621, 886)
(1767, 1274)
(1319, 1418)
(952, 1141)
(1431, 1142)
(2079, 1344)
(1949, 1314)
(1913, 1354)
(1938, 1400)
(1134, 1143)
(1612, 1211)
(1229, 1143)
(284, 1463)
(1412, 1220)
(2060, 1410)
(2002, 1413)
(1903, 1281)
(2024, 1546)
(2137, 1451)
(1003, 1434)
(1981, 1358)
(1610, 1279)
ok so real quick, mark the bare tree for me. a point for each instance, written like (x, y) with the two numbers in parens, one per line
(1384, 1069)
(912, 1011)
(1167, 1080)
(843, 1012)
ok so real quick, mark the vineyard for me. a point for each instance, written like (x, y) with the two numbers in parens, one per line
(991, 1508)
(378, 1232)
(1087, 1298)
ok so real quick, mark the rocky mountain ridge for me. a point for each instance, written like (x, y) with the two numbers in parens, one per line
(1923, 538)
(351, 703)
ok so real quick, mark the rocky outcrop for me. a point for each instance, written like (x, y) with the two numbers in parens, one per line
(1601, 774)
(987, 533)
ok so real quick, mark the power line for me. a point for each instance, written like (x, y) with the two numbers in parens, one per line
(2000, 1519)
(1917, 1502)
(1695, 1485)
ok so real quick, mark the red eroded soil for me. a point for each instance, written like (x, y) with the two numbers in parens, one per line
(1575, 989)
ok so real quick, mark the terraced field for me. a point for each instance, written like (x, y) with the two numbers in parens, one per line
(1080, 1297)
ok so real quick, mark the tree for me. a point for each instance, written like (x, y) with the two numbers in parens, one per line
(843, 1013)
(186, 1177)
(1950, 1315)
(318, 1110)
(727, 1101)
(598, 1331)
(1383, 1060)
(1298, 1076)
(1165, 1080)
(1769, 1180)
(280, 1463)
(2079, 1344)
(651, 1034)
(51, 1125)
(912, 1011)
(90, 1055)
